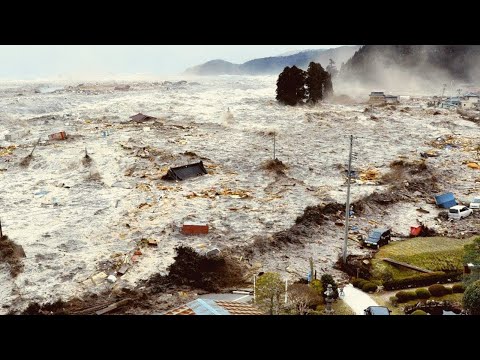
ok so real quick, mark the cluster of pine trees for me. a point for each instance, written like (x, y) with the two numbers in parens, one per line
(294, 85)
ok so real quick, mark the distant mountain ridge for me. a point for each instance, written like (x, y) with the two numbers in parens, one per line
(275, 64)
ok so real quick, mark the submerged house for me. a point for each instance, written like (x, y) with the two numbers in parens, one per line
(185, 172)
(140, 118)
(470, 101)
(451, 103)
(379, 98)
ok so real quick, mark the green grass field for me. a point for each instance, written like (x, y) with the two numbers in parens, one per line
(434, 253)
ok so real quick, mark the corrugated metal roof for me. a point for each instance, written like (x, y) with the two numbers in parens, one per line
(213, 307)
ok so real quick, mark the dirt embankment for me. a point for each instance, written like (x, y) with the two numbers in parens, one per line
(190, 273)
(304, 227)
(11, 254)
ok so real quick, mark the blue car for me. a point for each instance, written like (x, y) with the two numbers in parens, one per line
(377, 310)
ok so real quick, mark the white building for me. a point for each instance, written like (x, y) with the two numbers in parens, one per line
(470, 101)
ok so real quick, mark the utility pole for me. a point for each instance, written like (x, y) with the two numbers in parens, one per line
(254, 288)
(1, 232)
(444, 88)
(347, 207)
(274, 155)
(286, 291)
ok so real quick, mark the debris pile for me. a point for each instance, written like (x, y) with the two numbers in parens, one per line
(11, 254)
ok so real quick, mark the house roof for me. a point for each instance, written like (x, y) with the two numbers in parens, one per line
(214, 307)
(446, 200)
(141, 117)
(185, 172)
(470, 95)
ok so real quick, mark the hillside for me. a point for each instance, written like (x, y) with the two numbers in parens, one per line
(409, 65)
(274, 64)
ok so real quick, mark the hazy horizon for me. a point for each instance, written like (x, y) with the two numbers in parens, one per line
(30, 62)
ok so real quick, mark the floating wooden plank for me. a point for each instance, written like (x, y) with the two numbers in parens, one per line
(113, 306)
(408, 266)
(123, 269)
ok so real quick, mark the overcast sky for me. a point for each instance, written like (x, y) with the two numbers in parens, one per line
(40, 61)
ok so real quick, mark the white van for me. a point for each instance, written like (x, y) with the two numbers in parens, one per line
(475, 204)
(458, 212)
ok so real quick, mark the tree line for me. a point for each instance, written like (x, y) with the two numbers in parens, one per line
(295, 85)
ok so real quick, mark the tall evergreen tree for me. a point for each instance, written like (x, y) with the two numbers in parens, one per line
(319, 83)
(291, 86)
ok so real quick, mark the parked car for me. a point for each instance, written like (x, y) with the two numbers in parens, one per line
(458, 212)
(475, 204)
(378, 237)
(377, 310)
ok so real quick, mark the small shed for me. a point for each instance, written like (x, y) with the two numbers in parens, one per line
(392, 99)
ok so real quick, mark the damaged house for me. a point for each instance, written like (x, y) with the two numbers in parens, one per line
(379, 98)
(185, 172)
(470, 101)
(140, 118)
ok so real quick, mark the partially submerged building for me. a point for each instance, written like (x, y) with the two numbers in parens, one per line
(379, 98)
(470, 101)
(185, 172)
(140, 118)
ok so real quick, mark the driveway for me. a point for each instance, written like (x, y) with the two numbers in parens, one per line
(357, 299)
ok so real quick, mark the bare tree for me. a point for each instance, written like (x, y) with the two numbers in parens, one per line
(302, 297)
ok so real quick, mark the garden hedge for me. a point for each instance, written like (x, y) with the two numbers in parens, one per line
(423, 293)
(423, 280)
(404, 296)
(438, 290)
(458, 288)
(369, 287)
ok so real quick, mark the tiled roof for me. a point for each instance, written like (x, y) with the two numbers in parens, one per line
(213, 307)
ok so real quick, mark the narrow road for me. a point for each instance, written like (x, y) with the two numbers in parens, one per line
(357, 299)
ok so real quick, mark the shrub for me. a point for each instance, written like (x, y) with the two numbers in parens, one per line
(438, 290)
(404, 296)
(419, 312)
(458, 288)
(358, 283)
(471, 298)
(423, 293)
(423, 280)
(317, 286)
(393, 300)
(369, 287)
